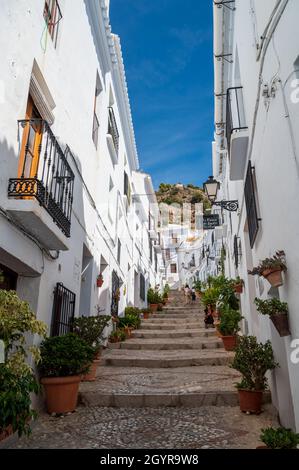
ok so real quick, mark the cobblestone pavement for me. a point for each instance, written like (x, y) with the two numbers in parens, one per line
(157, 428)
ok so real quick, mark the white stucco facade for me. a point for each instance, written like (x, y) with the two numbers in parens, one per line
(260, 70)
(82, 74)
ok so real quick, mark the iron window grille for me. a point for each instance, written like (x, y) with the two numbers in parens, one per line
(53, 183)
(52, 17)
(142, 287)
(112, 128)
(115, 293)
(251, 209)
(235, 116)
(63, 310)
(173, 268)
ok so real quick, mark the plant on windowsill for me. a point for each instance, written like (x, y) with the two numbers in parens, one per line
(279, 438)
(271, 269)
(17, 380)
(64, 359)
(252, 360)
(229, 327)
(90, 329)
(278, 313)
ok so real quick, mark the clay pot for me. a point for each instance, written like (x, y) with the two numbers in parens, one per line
(238, 288)
(6, 432)
(61, 393)
(281, 323)
(250, 400)
(128, 332)
(91, 375)
(229, 342)
(154, 307)
(274, 277)
(146, 315)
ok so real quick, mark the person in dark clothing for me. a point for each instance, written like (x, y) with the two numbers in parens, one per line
(193, 295)
(209, 320)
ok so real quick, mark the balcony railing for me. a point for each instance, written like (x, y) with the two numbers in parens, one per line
(53, 182)
(235, 116)
(112, 128)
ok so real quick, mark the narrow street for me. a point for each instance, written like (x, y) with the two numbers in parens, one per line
(170, 386)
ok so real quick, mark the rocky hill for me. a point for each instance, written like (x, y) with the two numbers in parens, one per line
(180, 194)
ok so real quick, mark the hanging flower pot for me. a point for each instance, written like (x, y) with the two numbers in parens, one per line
(281, 323)
(100, 280)
(274, 277)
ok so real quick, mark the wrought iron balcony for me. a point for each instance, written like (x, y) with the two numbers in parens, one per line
(112, 128)
(52, 182)
(235, 116)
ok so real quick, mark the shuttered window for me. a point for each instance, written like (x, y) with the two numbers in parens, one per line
(252, 218)
(142, 287)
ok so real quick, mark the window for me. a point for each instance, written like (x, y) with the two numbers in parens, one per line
(96, 112)
(112, 128)
(173, 268)
(52, 16)
(142, 287)
(118, 251)
(127, 187)
(252, 218)
(150, 249)
(156, 262)
(167, 253)
(236, 251)
(63, 310)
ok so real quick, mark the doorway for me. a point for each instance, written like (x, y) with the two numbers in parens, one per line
(8, 278)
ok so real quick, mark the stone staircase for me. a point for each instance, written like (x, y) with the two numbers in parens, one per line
(172, 360)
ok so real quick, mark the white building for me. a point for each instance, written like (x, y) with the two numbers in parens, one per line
(68, 163)
(255, 157)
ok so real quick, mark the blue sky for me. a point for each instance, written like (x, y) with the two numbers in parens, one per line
(167, 50)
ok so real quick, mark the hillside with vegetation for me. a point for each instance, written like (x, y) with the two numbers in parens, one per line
(181, 194)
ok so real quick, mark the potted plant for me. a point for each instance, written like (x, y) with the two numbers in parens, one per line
(133, 317)
(153, 299)
(229, 327)
(198, 287)
(146, 312)
(278, 313)
(271, 269)
(238, 285)
(117, 336)
(90, 329)
(210, 298)
(100, 280)
(252, 360)
(17, 379)
(63, 361)
(279, 438)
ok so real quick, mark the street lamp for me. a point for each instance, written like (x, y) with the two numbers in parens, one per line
(211, 187)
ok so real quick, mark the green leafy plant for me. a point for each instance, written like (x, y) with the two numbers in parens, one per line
(229, 321)
(210, 297)
(153, 296)
(271, 306)
(279, 438)
(276, 262)
(167, 288)
(253, 360)
(17, 320)
(63, 356)
(90, 329)
(197, 285)
(15, 399)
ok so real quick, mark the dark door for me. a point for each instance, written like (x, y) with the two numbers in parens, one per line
(63, 310)
(115, 293)
(8, 278)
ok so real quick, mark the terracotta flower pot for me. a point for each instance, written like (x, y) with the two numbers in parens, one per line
(146, 315)
(274, 277)
(61, 393)
(91, 375)
(250, 400)
(154, 307)
(281, 323)
(6, 432)
(238, 288)
(229, 342)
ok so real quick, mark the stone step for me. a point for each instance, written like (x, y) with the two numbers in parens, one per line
(174, 319)
(169, 344)
(177, 315)
(140, 387)
(147, 325)
(198, 332)
(165, 359)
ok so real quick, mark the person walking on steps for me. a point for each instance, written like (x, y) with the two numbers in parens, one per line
(193, 295)
(209, 320)
(187, 293)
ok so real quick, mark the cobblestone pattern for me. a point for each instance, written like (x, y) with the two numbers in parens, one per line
(160, 428)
